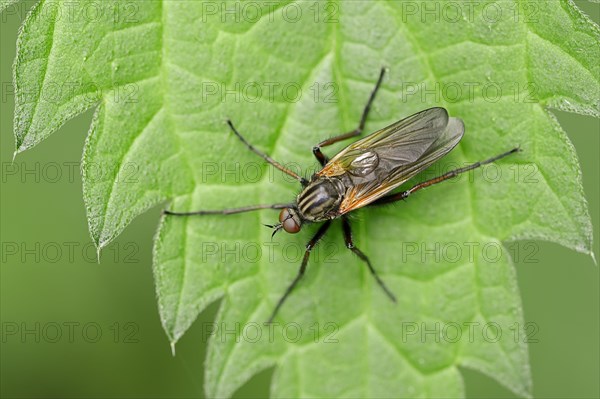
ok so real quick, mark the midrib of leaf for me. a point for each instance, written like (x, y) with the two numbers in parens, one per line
(347, 123)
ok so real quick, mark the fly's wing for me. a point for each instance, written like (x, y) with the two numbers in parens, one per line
(400, 143)
(393, 167)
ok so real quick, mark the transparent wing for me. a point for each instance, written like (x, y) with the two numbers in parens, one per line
(400, 143)
(392, 169)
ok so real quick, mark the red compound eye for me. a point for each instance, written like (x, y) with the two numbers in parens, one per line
(289, 221)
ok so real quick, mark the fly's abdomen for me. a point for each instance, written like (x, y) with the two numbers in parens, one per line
(321, 199)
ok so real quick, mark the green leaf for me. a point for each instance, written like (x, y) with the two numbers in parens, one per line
(165, 75)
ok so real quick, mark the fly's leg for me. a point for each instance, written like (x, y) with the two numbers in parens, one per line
(453, 173)
(311, 244)
(322, 158)
(362, 256)
(229, 211)
(267, 158)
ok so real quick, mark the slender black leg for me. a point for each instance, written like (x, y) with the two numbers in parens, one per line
(311, 244)
(361, 125)
(362, 256)
(230, 211)
(267, 158)
(453, 173)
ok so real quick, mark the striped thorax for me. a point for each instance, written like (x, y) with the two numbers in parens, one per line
(321, 199)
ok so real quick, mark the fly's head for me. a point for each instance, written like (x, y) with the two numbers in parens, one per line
(289, 220)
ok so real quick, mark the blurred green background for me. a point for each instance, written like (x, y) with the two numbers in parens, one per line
(117, 347)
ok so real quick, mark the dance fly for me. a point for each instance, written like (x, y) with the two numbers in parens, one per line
(365, 173)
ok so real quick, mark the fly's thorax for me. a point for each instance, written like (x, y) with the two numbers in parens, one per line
(321, 199)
